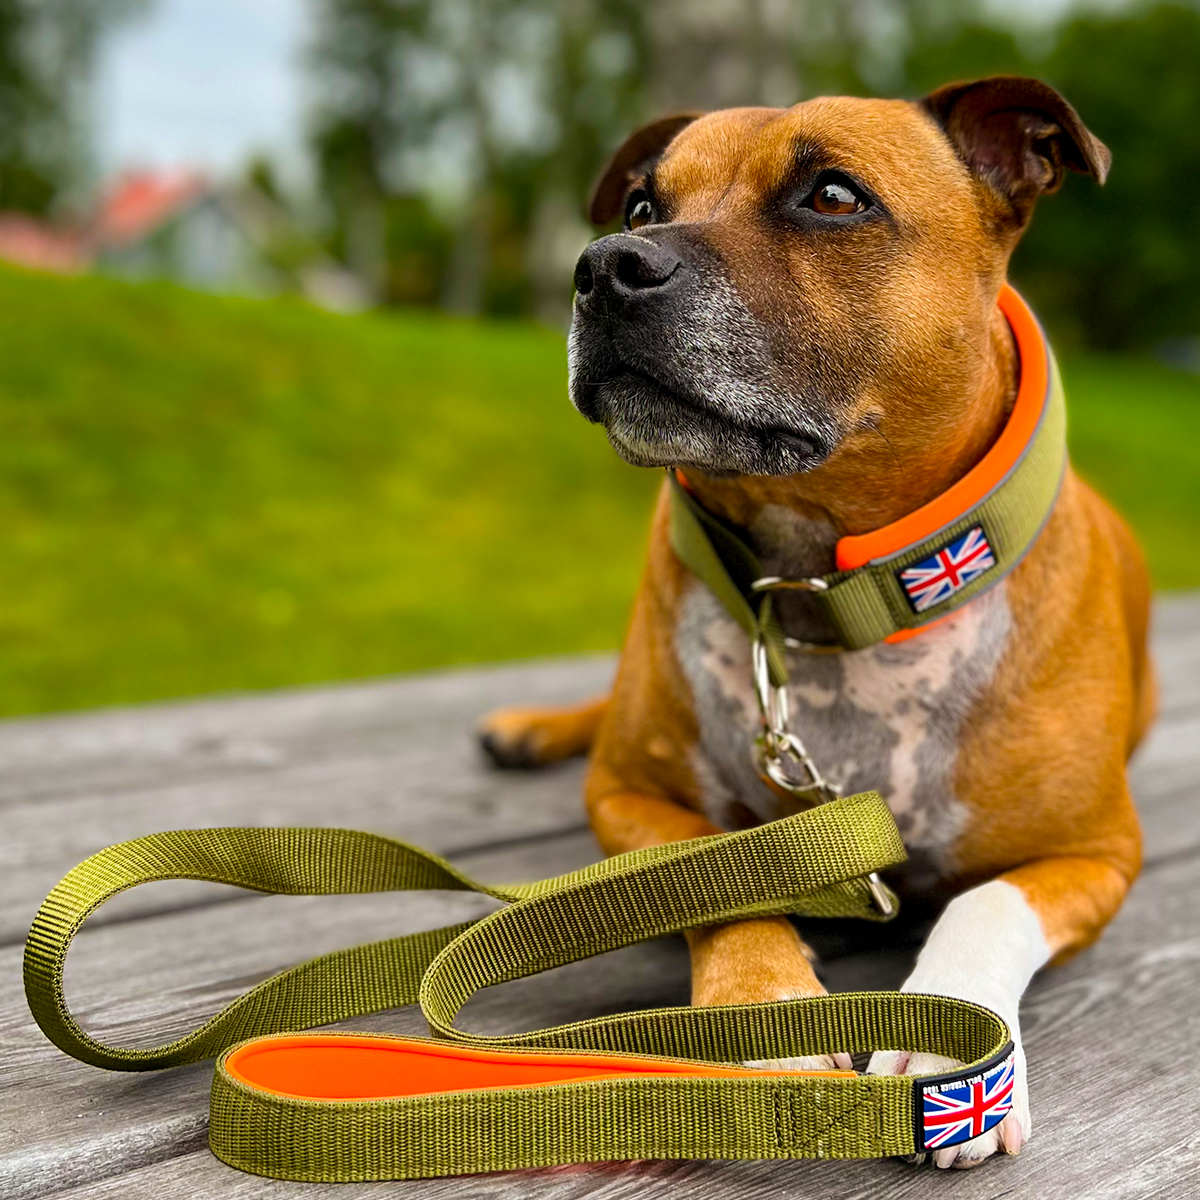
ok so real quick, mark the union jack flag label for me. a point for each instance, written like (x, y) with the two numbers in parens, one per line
(939, 577)
(958, 1110)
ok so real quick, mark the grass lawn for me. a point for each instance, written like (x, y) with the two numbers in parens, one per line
(203, 494)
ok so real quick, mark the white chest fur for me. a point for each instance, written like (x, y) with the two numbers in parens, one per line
(887, 718)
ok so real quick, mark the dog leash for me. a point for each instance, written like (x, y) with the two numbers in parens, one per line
(651, 1084)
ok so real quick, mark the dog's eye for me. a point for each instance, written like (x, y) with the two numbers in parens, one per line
(638, 210)
(836, 196)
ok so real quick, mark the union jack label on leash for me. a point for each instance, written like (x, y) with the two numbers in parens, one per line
(957, 1110)
(949, 570)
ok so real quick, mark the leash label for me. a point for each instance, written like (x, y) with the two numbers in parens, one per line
(948, 570)
(953, 1110)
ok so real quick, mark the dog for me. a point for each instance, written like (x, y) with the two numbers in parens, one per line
(802, 318)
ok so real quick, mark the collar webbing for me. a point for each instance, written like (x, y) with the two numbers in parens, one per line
(324, 1108)
(895, 581)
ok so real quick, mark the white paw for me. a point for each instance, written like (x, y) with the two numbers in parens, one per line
(810, 1062)
(1009, 1136)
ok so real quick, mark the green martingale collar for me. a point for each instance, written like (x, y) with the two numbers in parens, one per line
(895, 581)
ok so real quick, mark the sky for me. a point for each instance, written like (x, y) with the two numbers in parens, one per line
(205, 83)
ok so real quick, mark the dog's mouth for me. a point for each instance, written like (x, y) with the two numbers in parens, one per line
(652, 420)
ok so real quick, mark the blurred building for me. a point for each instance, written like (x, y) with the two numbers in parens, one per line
(179, 225)
(175, 225)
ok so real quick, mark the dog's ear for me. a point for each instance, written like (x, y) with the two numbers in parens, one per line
(637, 154)
(1018, 135)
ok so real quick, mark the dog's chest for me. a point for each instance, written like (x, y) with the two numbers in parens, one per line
(888, 718)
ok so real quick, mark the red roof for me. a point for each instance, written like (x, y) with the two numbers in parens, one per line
(143, 200)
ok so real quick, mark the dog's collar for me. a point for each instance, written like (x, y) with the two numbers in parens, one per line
(894, 582)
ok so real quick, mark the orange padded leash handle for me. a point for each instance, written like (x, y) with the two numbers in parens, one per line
(367, 1067)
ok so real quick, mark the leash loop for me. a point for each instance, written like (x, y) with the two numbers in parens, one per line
(809, 863)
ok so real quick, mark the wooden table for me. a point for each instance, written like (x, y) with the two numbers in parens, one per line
(1112, 1036)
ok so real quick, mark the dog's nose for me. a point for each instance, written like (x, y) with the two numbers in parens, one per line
(624, 265)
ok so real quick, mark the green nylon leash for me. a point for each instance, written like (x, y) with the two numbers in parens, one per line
(811, 863)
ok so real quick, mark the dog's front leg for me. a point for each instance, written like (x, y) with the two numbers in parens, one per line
(750, 961)
(739, 962)
(986, 947)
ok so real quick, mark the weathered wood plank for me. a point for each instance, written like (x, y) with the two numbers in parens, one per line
(121, 749)
(128, 749)
(1164, 782)
(124, 1121)
(1165, 768)
(132, 749)
(421, 796)
(1114, 1082)
(393, 757)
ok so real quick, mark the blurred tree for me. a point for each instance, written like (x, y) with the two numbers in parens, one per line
(24, 182)
(260, 173)
(1119, 266)
(1114, 268)
(717, 55)
(47, 50)
(462, 134)
(457, 140)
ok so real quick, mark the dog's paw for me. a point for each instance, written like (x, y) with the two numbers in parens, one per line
(515, 738)
(1009, 1136)
(536, 737)
(810, 1062)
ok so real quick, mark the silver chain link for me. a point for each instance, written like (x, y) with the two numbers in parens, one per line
(782, 760)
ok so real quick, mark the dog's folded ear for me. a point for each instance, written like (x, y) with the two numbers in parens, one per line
(638, 153)
(1018, 135)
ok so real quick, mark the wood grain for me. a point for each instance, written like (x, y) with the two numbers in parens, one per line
(1177, 651)
(396, 757)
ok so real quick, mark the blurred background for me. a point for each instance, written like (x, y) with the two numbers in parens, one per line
(285, 286)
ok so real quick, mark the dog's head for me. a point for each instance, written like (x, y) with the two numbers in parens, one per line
(790, 280)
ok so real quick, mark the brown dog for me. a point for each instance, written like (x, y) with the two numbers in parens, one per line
(802, 315)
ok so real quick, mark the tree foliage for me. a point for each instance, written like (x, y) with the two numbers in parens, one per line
(450, 134)
(457, 139)
(1119, 266)
(47, 49)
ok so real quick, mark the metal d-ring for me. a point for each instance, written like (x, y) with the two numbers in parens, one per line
(771, 583)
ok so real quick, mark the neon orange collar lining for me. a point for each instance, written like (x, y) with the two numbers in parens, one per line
(990, 471)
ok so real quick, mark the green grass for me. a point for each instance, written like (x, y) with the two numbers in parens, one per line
(205, 494)
(1134, 431)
